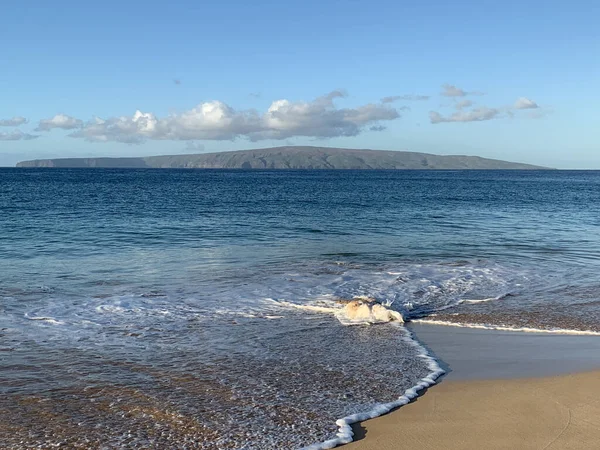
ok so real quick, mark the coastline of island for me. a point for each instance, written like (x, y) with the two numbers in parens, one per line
(291, 157)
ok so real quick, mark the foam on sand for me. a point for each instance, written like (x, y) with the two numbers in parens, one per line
(345, 433)
(366, 311)
(482, 300)
(505, 328)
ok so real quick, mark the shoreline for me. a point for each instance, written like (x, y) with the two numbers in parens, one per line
(473, 353)
(502, 389)
(477, 326)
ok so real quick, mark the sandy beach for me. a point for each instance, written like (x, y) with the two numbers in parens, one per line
(544, 396)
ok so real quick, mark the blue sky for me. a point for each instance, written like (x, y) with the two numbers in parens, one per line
(509, 80)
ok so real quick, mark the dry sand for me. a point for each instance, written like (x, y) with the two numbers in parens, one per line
(561, 412)
(467, 411)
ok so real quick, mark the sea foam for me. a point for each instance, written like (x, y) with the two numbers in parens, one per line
(345, 433)
(359, 311)
(505, 328)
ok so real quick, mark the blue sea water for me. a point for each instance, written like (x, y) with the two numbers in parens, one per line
(197, 308)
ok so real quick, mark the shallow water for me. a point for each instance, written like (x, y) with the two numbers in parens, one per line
(152, 308)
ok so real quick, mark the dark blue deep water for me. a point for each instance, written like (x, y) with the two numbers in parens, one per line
(197, 308)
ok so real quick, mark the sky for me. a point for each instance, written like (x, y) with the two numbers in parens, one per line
(511, 80)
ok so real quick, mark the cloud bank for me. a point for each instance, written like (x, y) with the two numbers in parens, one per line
(465, 112)
(215, 120)
(282, 120)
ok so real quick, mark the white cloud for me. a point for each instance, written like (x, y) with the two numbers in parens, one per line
(319, 118)
(17, 135)
(59, 121)
(464, 114)
(409, 97)
(216, 120)
(210, 120)
(453, 91)
(13, 122)
(130, 130)
(525, 103)
(449, 90)
(463, 104)
(474, 115)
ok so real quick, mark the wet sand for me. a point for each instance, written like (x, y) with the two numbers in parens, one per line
(470, 354)
(503, 391)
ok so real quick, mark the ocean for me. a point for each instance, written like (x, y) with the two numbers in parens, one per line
(201, 308)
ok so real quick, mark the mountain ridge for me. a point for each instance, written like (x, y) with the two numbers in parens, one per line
(291, 157)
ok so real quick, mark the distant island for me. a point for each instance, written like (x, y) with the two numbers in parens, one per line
(291, 157)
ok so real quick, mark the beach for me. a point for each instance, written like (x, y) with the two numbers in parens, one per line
(503, 391)
(174, 308)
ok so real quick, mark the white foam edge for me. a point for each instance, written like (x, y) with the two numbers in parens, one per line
(338, 312)
(505, 328)
(51, 320)
(304, 307)
(345, 433)
(394, 316)
(483, 300)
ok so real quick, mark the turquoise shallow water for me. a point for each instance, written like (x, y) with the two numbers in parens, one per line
(150, 308)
